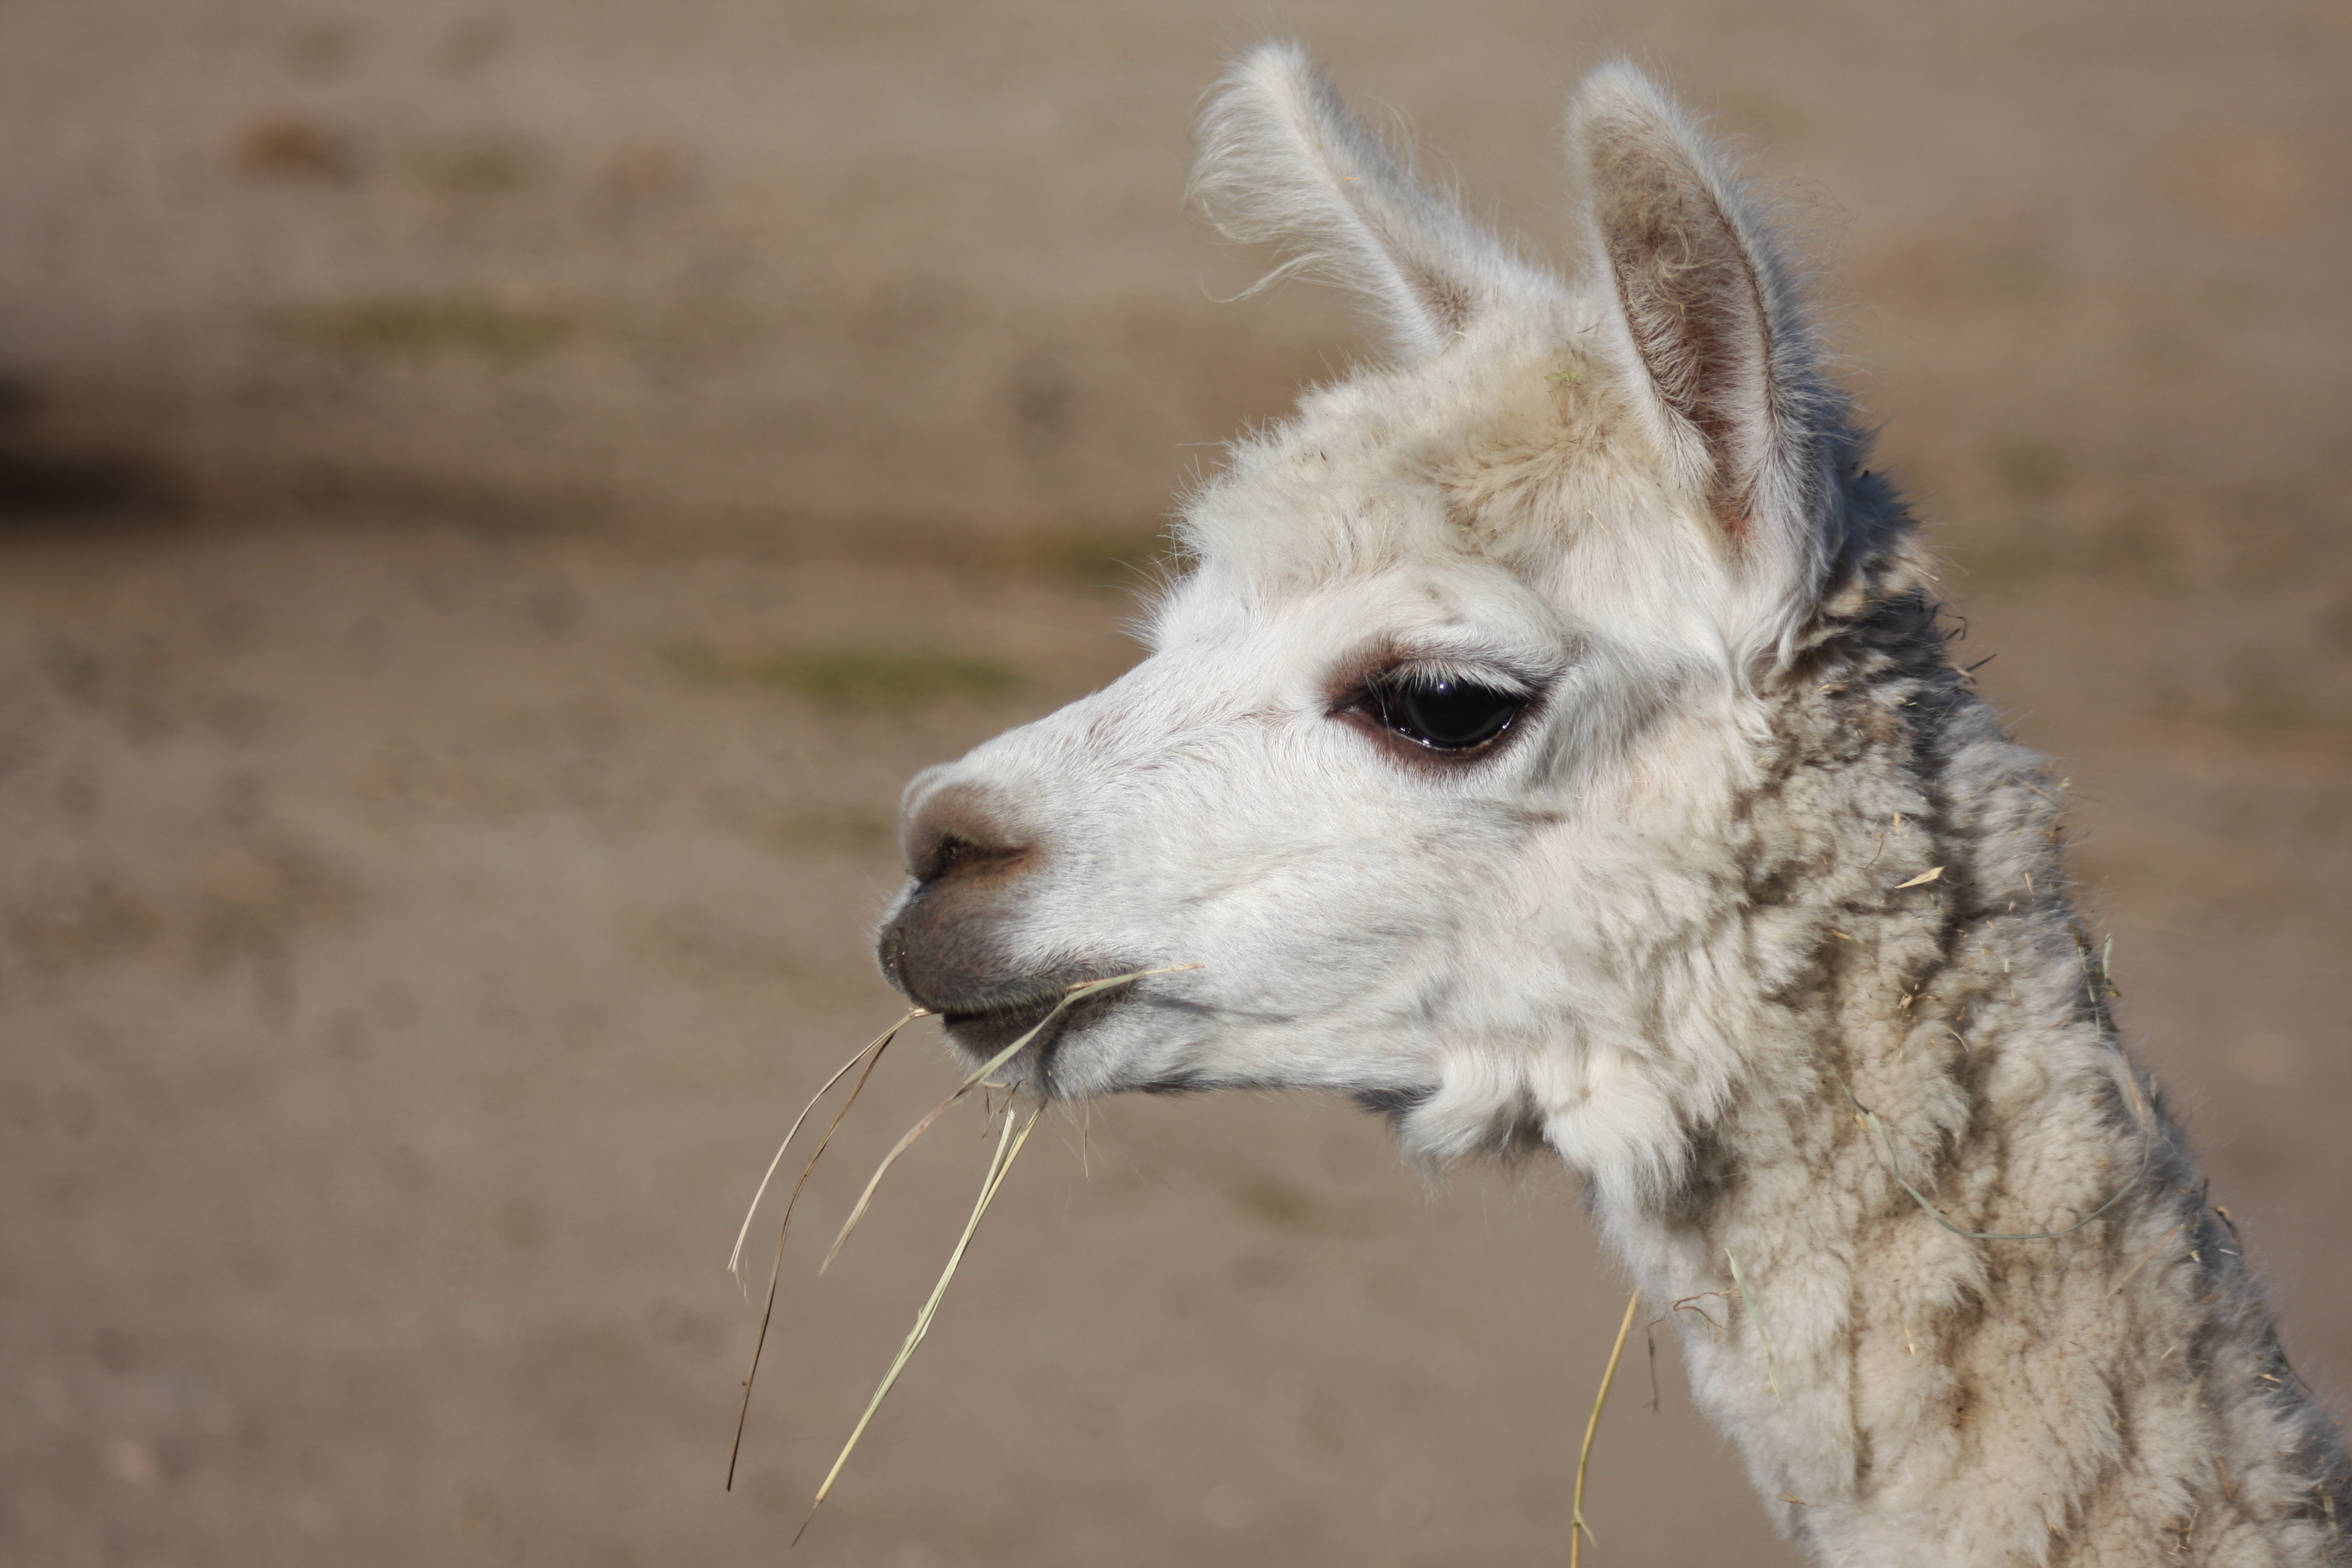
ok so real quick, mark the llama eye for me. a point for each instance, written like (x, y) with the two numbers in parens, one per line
(1443, 714)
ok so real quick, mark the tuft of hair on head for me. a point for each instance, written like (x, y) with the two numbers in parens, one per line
(1279, 160)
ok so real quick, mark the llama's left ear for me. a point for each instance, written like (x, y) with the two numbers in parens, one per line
(1712, 335)
(1278, 158)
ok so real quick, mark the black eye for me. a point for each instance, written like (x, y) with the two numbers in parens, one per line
(1443, 714)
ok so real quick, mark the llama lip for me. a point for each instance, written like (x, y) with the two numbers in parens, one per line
(982, 1035)
(981, 1032)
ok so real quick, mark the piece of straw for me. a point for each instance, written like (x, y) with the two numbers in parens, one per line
(1074, 994)
(1008, 1149)
(1894, 1169)
(776, 1266)
(1748, 1301)
(1577, 1529)
(875, 1045)
(2135, 1267)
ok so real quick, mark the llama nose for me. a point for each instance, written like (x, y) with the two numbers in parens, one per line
(943, 945)
(959, 830)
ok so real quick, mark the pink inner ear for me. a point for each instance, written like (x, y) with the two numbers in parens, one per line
(1693, 303)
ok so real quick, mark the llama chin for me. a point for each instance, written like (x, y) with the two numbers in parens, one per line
(1552, 744)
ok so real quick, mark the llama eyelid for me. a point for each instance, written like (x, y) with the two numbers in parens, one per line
(1493, 677)
(1355, 678)
(1381, 705)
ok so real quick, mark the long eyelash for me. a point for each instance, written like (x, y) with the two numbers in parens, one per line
(1432, 670)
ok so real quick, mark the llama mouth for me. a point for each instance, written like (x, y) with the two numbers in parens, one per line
(981, 1034)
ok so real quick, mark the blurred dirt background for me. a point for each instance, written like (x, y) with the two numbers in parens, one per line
(495, 499)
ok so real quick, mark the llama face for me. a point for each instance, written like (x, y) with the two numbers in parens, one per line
(1244, 801)
(1378, 903)
(1464, 644)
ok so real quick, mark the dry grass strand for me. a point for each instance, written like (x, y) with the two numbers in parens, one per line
(1577, 1530)
(1008, 1149)
(1074, 995)
(1747, 1304)
(875, 1047)
(873, 1057)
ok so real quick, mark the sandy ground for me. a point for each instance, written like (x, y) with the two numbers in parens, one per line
(494, 502)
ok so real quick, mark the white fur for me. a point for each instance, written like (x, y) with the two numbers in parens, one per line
(1664, 928)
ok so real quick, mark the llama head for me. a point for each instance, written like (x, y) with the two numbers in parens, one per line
(1426, 758)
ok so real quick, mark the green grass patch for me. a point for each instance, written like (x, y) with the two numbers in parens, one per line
(2034, 470)
(2010, 559)
(1107, 555)
(446, 324)
(849, 832)
(893, 680)
(1276, 1204)
(485, 164)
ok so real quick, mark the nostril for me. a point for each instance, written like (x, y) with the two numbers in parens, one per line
(956, 852)
(970, 852)
(957, 830)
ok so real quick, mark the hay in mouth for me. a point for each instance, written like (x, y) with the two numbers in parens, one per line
(1019, 1029)
(1040, 1023)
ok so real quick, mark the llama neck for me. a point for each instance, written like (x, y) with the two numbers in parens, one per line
(1903, 986)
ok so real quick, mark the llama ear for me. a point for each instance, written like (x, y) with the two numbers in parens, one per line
(1278, 158)
(1711, 331)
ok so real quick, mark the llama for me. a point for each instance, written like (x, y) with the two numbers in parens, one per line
(1551, 742)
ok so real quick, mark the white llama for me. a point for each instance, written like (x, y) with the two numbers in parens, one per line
(1552, 741)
